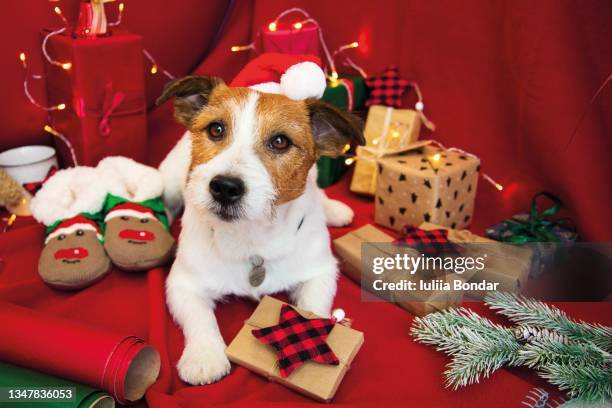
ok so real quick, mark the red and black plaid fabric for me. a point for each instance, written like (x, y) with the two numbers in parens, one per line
(386, 89)
(34, 186)
(430, 243)
(297, 340)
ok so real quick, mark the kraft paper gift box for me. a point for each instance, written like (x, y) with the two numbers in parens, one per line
(507, 264)
(104, 94)
(386, 129)
(317, 381)
(426, 184)
(348, 249)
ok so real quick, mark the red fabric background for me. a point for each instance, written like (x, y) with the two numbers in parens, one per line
(507, 80)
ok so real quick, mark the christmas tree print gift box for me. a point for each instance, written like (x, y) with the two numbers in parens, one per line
(317, 375)
(425, 183)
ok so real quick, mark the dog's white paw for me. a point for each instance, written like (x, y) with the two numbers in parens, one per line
(337, 214)
(203, 363)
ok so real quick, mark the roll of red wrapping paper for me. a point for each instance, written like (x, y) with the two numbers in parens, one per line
(124, 366)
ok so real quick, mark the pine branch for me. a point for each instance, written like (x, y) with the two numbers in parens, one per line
(477, 345)
(522, 310)
(590, 384)
(545, 351)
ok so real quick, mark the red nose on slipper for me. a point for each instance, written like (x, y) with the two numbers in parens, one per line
(71, 253)
(137, 235)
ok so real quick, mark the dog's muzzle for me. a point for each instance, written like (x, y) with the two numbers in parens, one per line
(227, 192)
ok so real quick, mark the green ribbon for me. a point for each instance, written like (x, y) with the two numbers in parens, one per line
(538, 227)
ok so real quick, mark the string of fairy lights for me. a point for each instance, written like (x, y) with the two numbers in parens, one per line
(332, 75)
(67, 65)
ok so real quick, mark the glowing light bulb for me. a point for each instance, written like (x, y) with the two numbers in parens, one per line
(436, 157)
(347, 147)
(235, 48)
(349, 161)
(22, 57)
(395, 134)
(154, 69)
(121, 7)
(61, 106)
(334, 76)
(499, 186)
(272, 26)
(67, 65)
(57, 10)
(354, 44)
(297, 25)
(375, 142)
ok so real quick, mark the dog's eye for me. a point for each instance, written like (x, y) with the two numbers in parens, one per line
(216, 131)
(279, 143)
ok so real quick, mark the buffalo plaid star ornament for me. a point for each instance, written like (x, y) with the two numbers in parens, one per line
(386, 89)
(430, 243)
(298, 339)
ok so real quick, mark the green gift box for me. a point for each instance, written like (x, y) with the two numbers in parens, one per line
(347, 92)
(337, 92)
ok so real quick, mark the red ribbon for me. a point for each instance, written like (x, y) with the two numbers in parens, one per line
(111, 102)
(34, 186)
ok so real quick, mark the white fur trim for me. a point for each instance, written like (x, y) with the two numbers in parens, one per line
(68, 193)
(130, 179)
(128, 213)
(267, 87)
(303, 80)
(70, 230)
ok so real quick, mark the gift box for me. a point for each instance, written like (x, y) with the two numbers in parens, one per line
(287, 39)
(104, 95)
(386, 129)
(509, 265)
(426, 184)
(349, 250)
(347, 92)
(538, 229)
(315, 380)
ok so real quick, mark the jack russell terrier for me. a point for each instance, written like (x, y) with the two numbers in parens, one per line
(254, 220)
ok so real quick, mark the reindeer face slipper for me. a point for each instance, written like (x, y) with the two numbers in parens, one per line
(137, 235)
(73, 256)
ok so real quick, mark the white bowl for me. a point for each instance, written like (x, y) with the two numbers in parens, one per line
(28, 164)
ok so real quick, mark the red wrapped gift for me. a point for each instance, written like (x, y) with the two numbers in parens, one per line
(288, 39)
(104, 94)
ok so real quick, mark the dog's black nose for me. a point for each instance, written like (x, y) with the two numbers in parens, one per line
(226, 190)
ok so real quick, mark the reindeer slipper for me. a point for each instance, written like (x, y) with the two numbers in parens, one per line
(73, 256)
(137, 236)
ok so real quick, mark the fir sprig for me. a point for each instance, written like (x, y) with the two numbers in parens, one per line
(478, 346)
(545, 351)
(531, 312)
(590, 384)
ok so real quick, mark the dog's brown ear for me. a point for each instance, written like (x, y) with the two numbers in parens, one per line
(333, 128)
(191, 94)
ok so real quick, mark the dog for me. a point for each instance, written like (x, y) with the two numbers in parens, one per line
(254, 220)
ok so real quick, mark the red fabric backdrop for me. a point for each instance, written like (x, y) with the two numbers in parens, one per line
(506, 80)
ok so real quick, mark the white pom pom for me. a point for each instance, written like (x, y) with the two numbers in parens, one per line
(303, 80)
(339, 315)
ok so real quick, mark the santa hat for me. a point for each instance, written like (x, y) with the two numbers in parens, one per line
(130, 210)
(66, 227)
(295, 76)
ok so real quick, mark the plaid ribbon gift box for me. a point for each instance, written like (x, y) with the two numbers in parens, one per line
(296, 348)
